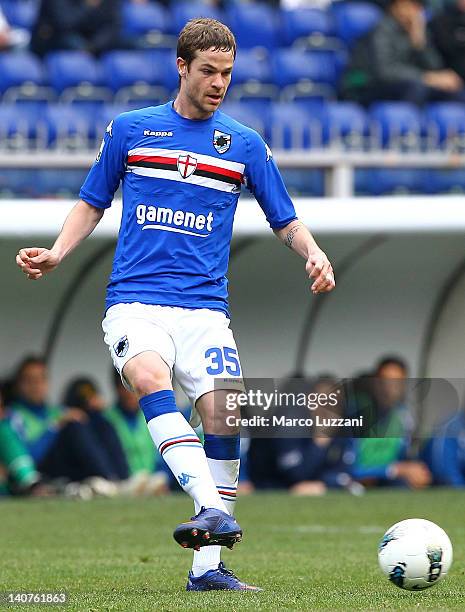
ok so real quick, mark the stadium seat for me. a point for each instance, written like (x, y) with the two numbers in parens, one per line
(20, 127)
(290, 126)
(243, 114)
(70, 69)
(68, 127)
(17, 69)
(251, 78)
(140, 19)
(254, 25)
(344, 124)
(21, 14)
(304, 182)
(396, 125)
(354, 19)
(134, 74)
(445, 123)
(397, 181)
(291, 66)
(450, 180)
(165, 61)
(309, 26)
(182, 12)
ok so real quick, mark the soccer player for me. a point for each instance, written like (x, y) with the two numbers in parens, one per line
(182, 166)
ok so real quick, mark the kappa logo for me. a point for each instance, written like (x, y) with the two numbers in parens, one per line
(221, 141)
(186, 165)
(185, 478)
(158, 134)
(121, 347)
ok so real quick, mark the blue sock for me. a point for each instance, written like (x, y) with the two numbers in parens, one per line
(158, 403)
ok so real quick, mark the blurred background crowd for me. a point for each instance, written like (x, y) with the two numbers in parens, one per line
(85, 446)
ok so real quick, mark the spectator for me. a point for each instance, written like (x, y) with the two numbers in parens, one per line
(398, 61)
(143, 460)
(86, 25)
(445, 453)
(61, 441)
(18, 474)
(12, 38)
(448, 34)
(381, 459)
(310, 464)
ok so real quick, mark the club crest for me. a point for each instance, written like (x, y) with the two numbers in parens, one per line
(121, 347)
(186, 165)
(221, 141)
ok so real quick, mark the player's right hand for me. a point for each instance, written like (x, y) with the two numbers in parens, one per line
(36, 261)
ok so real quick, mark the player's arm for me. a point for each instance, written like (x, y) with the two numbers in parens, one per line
(265, 182)
(297, 237)
(96, 195)
(81, 221)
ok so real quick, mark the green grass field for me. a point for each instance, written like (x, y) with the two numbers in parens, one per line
(118, 554)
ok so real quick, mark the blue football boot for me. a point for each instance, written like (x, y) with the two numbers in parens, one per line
(220, 579)
(209, 527)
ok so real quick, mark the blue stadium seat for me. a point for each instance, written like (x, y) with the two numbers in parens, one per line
(252, 78)
(182, 12)
(397, 181)
(130, 72)
(69, 127)
(20, 127)
(143, 18)
(397, 125)
(308, 182)
(304, 23)
(19, 68)
(242, 113)
(344, 123)
(254, 25)
(354, 19)
(451, 180)
(291, 66)
(445, 122)
(70, 69)
(165, 61)
(290, 126)
(22, 13)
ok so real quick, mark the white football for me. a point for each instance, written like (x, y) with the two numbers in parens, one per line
(415, 554)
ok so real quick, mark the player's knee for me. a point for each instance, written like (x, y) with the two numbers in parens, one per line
(145, 381)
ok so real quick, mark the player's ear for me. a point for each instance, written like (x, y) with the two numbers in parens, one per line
(182, 66)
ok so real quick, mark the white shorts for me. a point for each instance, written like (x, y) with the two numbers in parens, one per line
(197, 345)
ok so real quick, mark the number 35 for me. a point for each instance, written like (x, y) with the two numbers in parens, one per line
(222, 359)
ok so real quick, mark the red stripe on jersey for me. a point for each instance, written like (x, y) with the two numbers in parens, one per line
(153, 158)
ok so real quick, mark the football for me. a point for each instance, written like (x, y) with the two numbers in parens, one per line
(415, 554)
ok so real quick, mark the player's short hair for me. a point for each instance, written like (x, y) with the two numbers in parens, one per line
(202, 34)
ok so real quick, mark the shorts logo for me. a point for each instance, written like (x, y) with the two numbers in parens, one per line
(121, 347)
(221, 141)
(186, 165)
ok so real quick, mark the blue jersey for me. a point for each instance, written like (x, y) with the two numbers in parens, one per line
(181, 180)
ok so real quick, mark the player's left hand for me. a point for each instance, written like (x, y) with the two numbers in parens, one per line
(319, 269)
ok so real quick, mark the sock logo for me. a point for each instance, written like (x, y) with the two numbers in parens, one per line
(184, 479)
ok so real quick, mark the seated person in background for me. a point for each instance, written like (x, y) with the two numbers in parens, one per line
(398, 61)
(147, 470)
(448, 35)
(60, 440)
(381, 459)
(85, 25)
(18, 474)
(83, 394)
(11, 38)
(444, 453)
(308, 465)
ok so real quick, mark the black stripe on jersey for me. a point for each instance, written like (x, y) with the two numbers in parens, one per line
(205, 173)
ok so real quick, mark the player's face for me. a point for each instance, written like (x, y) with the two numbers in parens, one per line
(205, 82)
(33, 383)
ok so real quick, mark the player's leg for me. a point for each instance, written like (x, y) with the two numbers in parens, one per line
(143, 352)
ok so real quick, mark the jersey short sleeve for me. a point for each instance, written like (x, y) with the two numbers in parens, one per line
(108, 169)
(265, 182)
